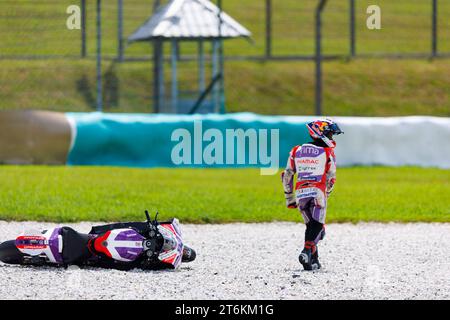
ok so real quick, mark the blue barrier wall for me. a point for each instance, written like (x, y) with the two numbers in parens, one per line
(145, 140)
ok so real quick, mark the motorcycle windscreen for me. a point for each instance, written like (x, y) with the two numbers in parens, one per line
(172, 250)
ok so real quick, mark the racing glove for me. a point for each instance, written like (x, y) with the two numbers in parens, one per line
(330, 186)
(290, 200)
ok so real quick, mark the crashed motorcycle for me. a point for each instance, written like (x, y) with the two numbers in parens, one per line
(149, 245)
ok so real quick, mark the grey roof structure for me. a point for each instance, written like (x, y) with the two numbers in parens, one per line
(189, 19)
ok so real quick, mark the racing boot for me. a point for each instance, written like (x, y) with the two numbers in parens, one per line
(309, 257)
(305, 256)
(305, 259)
(315, 264)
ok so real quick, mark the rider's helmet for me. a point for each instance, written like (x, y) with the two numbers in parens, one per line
(323, 130)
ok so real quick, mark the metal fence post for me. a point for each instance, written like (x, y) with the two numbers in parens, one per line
(221, 62)
(318, 56)
(174, 83)
(434, 29)
(120, 30)
(158, 61)
(268, 28)
(201, 67)
(158, 76)
(352, 29)
(99, 57)
(83, 28)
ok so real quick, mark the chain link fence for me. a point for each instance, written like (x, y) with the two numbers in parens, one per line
(48, 66)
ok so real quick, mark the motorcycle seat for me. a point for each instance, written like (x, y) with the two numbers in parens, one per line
(75, 247)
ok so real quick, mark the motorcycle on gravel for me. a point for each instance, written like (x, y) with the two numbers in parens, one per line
(147, 245)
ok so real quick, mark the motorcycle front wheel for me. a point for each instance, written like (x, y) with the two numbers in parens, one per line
(189, 254)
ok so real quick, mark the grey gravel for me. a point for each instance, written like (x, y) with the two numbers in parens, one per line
(259, 261)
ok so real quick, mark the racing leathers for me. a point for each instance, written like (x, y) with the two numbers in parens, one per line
(315, 166)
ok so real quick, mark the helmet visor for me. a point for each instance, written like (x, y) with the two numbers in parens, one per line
(334, 129)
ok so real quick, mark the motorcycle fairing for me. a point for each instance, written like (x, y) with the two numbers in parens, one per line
(120, 244)
(48, 242)
(172, 250)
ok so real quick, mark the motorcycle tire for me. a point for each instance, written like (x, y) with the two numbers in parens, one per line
(9, 253)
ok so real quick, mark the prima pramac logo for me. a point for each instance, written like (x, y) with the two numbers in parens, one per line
(230, 147)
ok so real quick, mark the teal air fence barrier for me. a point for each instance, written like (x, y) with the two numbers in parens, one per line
(163, 140)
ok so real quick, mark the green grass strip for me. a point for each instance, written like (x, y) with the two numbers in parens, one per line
(69, 194)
